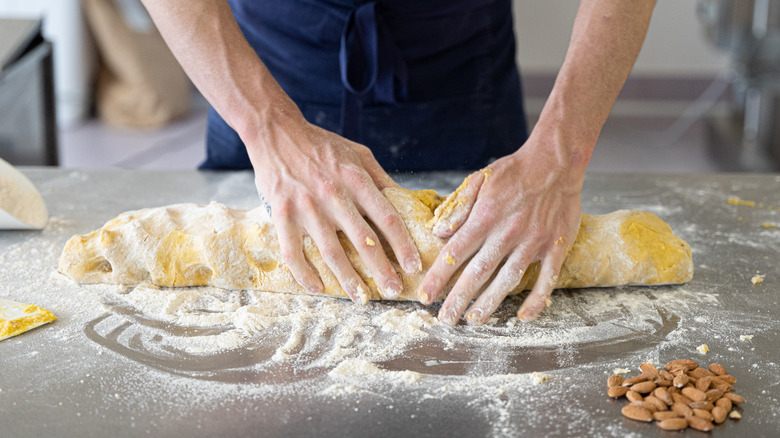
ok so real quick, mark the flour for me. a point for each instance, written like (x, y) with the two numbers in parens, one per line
(172, 352)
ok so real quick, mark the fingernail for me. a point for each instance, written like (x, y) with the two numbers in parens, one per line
(362, 296)
(474, 316)
(423, 296)
(392, 289)
(525, 315)
(413, 266)
(449, 317)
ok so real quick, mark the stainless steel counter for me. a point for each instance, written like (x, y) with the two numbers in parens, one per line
(74, 378)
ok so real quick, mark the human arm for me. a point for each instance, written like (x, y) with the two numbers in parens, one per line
(315, 182)
(526, 206)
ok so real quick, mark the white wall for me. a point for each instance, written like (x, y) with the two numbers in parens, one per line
(675, 44)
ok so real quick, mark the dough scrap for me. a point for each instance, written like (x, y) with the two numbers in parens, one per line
(196, 245)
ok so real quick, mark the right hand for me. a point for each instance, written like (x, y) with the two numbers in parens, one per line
(317, 183)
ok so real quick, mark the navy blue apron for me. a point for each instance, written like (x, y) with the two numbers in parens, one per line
(425, 84)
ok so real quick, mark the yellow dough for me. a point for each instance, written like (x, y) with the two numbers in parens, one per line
(195, 245)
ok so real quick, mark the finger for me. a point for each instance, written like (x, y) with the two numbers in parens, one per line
(509, 277)
(335, 258)
(539, 297)
(381, 179)
(367, 244)
(387, 220)
(291, 248)
(474, 276)
(451, 257)
(456, 209)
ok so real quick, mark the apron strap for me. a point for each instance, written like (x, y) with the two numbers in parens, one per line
(369, 61)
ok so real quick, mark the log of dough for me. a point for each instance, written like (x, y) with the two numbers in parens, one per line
(196, 245)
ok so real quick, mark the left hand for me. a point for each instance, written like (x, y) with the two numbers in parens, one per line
(523, 208)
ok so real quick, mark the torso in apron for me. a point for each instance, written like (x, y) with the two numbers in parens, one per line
(426, 85)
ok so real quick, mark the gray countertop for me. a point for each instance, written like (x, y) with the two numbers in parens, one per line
(106, 367)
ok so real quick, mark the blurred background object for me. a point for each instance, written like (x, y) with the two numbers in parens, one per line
(700, 97)
(748, 137)
(28, 134)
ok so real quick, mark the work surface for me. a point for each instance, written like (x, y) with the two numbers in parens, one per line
(205, 362)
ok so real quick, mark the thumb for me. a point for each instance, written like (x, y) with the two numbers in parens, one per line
(454, 211)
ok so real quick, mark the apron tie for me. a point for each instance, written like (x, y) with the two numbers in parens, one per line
(369, 61)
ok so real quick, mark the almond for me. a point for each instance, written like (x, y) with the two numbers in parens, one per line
(680, 380)
(644, 387)
(701, 404)
(702, 413)
(665, 415)
(684, 363)
(682, 409)
(634, 396)
(615, 380)
(655, 401)
(637, 413)
(719, 414)
(666, 375)
(694, 394)
(724, 403)
(713, 395)
(699, 423)
(728, 379)
(617, 391)
(725, 387)
(663, 395)
(704, 383)
(681, 398)
(718, 369)
(663, 382)
(736, 399)
(698, 373)
(634, 380)
(673, 424)
(649, 406)
(649, 370)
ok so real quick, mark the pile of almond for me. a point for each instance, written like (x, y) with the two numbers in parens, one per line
(681, 395)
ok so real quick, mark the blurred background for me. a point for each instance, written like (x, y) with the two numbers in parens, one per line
(90, 84)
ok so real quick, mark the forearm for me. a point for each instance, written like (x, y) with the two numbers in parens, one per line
(605, 42)
(206, 40)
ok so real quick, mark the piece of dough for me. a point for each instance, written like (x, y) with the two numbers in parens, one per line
(194, 245)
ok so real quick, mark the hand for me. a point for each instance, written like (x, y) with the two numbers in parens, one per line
(523, 208)
(319, 183)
